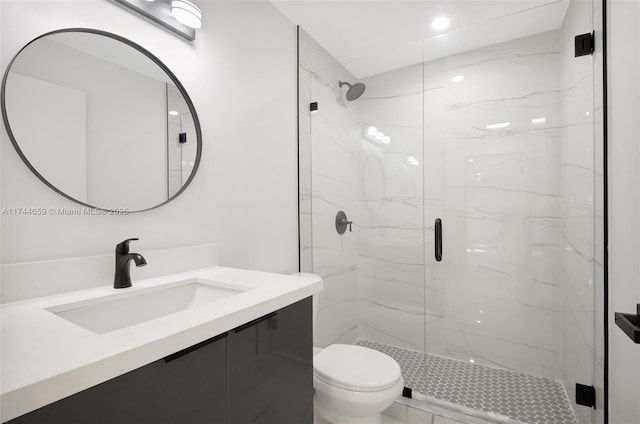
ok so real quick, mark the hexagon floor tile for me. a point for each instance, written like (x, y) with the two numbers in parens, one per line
(528, 399)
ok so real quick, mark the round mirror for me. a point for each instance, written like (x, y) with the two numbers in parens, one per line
(101, 120)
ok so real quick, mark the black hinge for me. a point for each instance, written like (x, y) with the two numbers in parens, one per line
(585, 44)
(586, 395)
(313, 106)
(182, 138)
(407, 392)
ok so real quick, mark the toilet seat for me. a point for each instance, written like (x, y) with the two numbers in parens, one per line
(356, 368)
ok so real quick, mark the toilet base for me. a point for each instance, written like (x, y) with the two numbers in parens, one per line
(323, 416)
(339, 406)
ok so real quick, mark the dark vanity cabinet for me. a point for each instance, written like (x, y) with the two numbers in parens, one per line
(260, 372)
(270, 368)
(186, 387)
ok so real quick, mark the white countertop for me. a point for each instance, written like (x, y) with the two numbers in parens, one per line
(45, 358)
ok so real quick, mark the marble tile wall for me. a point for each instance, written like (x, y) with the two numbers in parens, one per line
(391, 271)
(496, 296)
(329, 140)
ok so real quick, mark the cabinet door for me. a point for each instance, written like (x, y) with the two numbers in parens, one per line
(270, 368)
(188, 387)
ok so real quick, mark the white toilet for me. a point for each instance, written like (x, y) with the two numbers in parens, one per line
(353, 384)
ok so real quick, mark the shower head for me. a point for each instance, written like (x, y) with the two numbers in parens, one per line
(354, 91)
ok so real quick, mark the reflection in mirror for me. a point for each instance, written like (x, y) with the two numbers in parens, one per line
(181, 148)
(101, 122)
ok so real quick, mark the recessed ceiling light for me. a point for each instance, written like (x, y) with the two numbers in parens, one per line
(497, 126)
(173, 113)
(440, 23)
(457, 78)
(539, 120)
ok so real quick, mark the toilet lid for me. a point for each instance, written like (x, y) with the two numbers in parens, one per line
(356, 368)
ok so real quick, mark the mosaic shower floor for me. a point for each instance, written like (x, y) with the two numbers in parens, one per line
(522, 397)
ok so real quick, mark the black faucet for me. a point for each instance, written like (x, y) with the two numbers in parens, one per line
(122, 278)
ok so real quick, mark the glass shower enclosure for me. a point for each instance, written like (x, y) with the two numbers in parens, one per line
(472, 175)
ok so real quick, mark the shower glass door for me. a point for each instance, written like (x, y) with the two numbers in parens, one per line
(363, 157)
(511, 170)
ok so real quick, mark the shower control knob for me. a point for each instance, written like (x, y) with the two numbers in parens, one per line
(342, 222)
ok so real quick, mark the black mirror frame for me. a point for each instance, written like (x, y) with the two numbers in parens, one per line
(142, 50)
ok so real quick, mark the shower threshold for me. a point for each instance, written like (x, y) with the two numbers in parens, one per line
(494, 394)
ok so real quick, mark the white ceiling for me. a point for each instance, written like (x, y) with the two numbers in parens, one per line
(370, 37)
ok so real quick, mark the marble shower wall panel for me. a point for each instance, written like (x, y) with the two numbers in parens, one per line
(391, 249)
(499, 282)
(580, 263)
(331, 167)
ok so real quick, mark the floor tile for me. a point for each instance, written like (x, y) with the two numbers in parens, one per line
(519, 396)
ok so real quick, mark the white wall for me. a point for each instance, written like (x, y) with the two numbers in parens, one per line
(240, 74)
(624, 204)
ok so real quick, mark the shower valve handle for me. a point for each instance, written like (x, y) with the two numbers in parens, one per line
(342, 222)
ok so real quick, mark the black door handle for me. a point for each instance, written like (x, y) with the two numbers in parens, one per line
(438, 239)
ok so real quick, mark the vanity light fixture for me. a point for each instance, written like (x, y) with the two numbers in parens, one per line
(181, 17)
(539, 120)
(186, 13)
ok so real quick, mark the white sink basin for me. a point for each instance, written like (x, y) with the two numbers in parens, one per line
(120, 310)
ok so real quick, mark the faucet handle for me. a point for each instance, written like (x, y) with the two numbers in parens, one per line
(123, 248)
